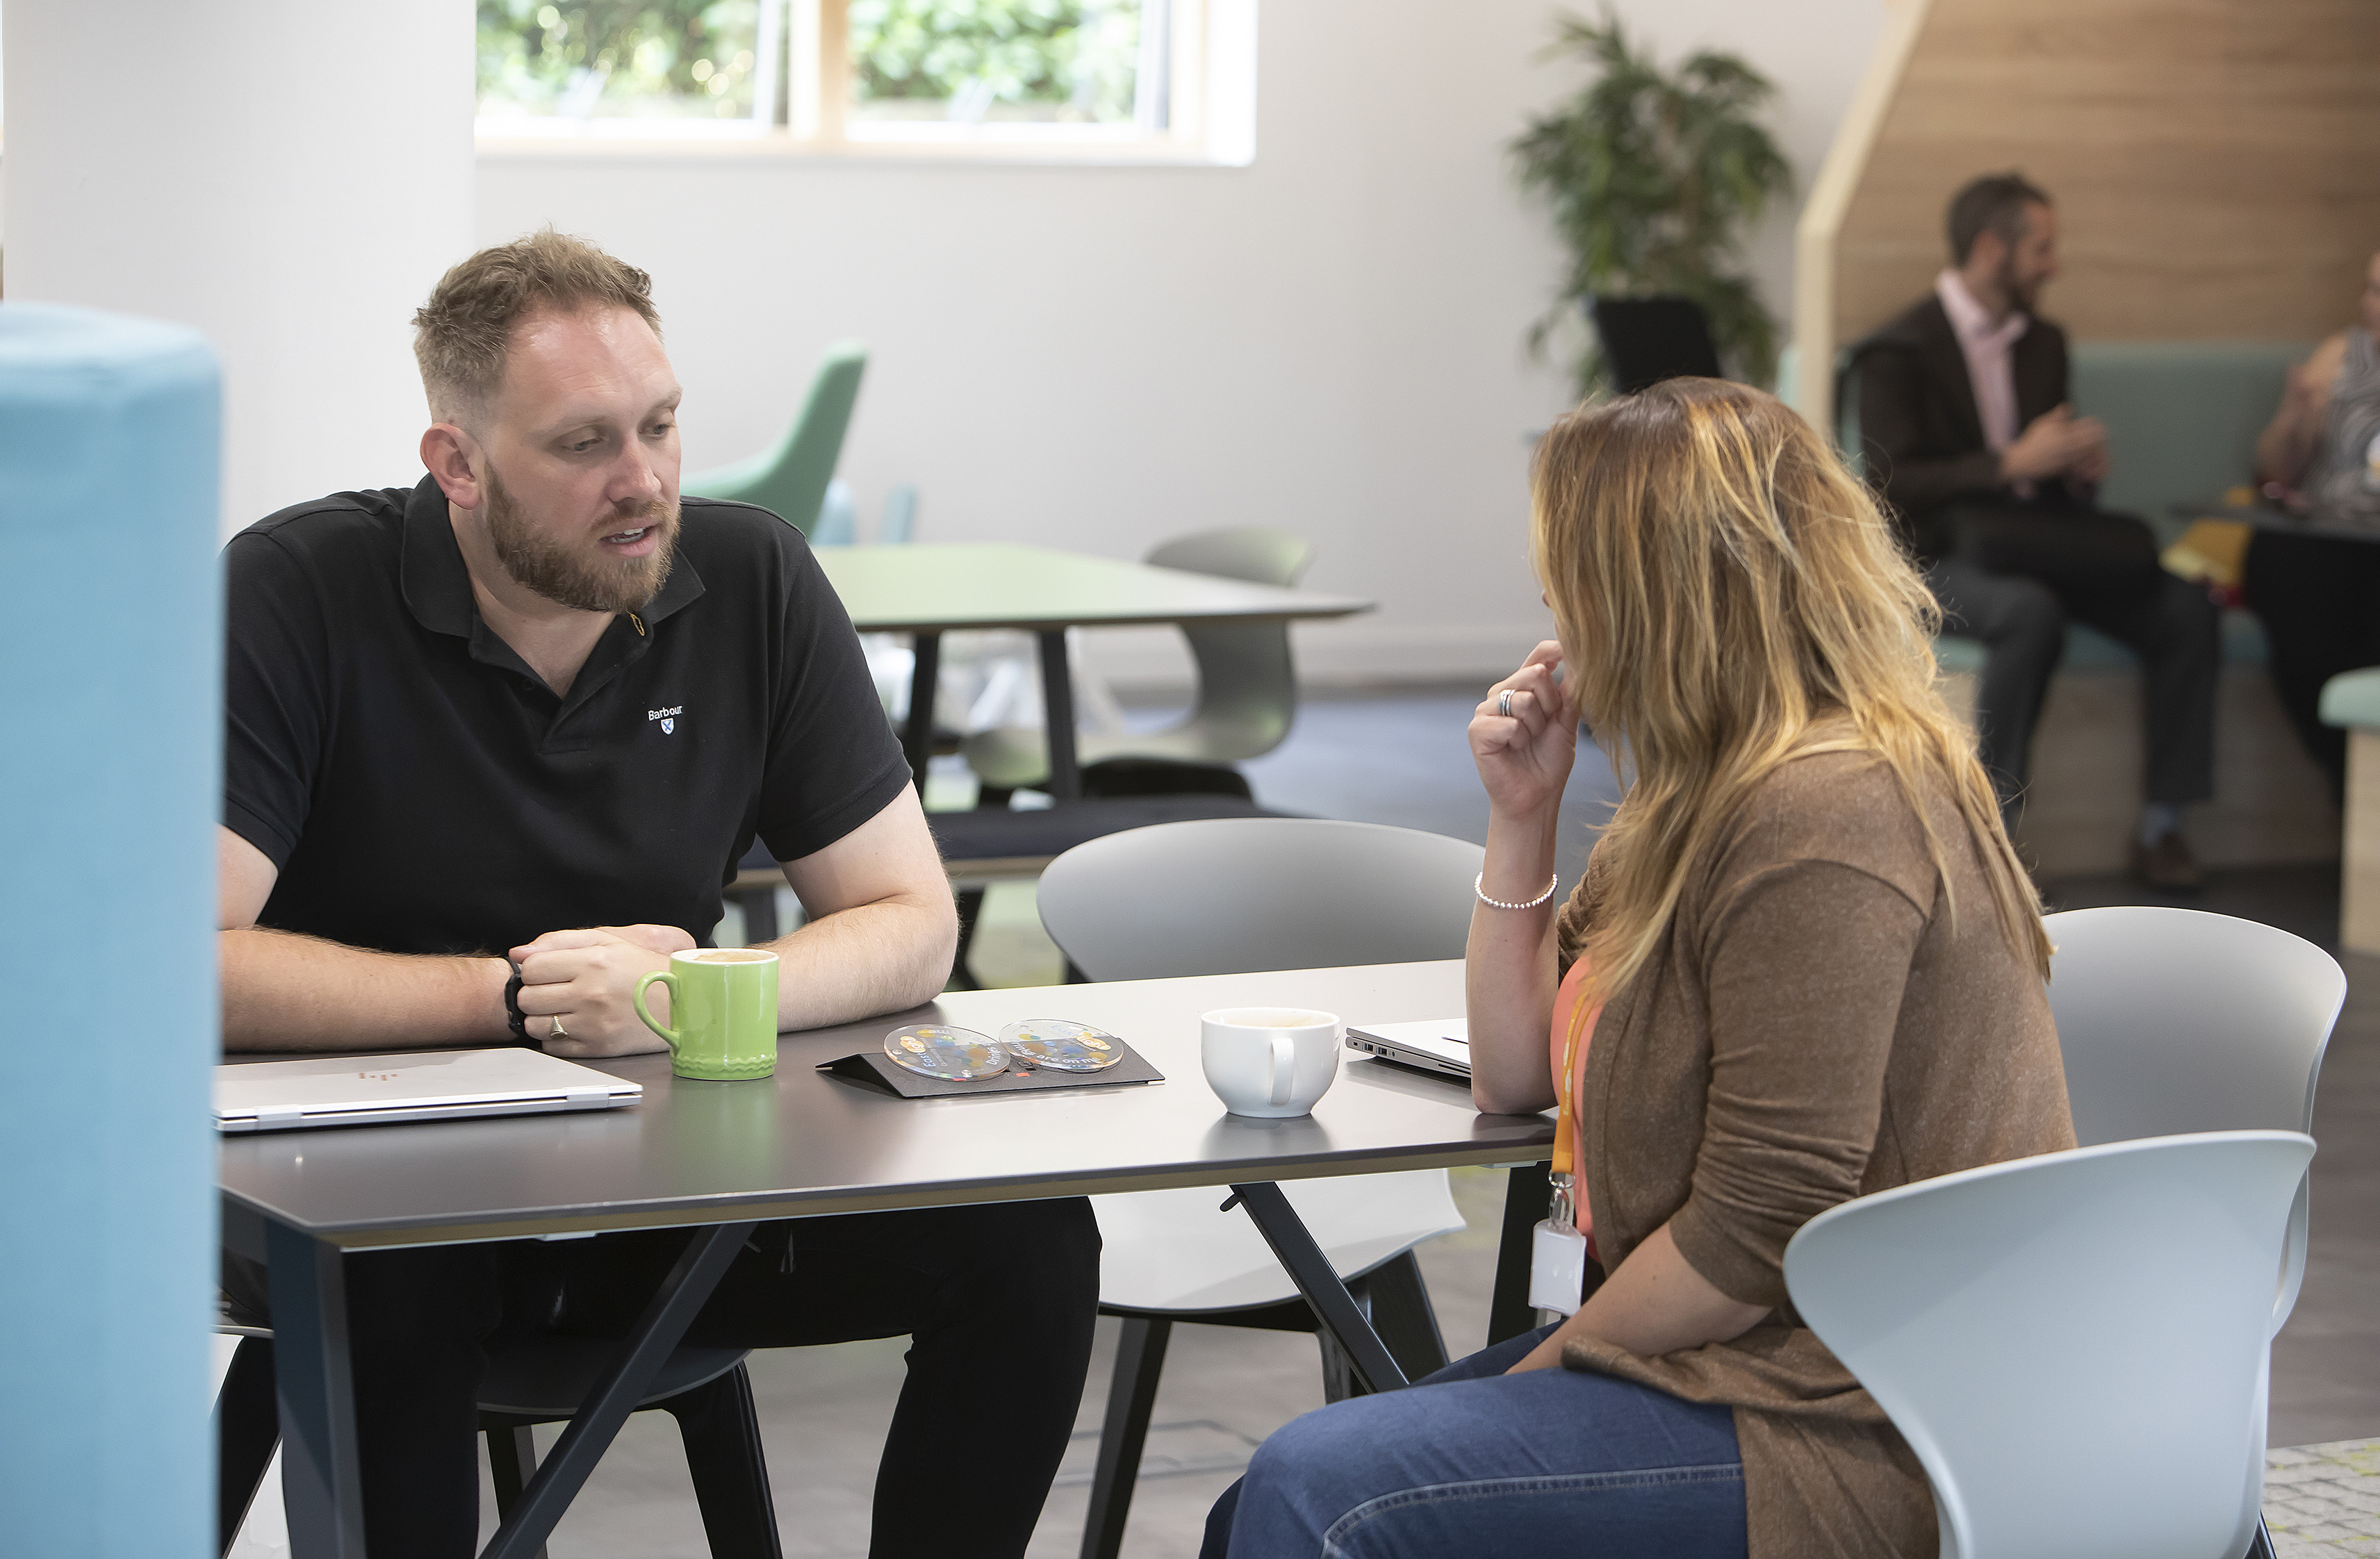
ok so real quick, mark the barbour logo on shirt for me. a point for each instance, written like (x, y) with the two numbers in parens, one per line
(667, 716)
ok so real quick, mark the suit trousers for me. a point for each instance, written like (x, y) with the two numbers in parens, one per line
(2319, 599)
(2013, 575)
(998, 1300)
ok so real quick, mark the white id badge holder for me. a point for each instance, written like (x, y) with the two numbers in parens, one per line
(1558, 1256)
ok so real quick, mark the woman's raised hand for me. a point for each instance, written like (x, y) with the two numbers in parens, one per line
(1525, 743)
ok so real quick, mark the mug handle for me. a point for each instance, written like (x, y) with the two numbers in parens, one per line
(1282, 1076)
(637, 1000)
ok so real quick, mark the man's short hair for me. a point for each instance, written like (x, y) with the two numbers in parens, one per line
(1993, 204)
(461, 335)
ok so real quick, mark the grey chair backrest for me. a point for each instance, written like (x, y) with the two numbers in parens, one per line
(2073, 1345)
(2176, 1021)
(1245, 677)
(1237, 894)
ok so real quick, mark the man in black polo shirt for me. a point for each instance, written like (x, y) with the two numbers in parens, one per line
(532, 712)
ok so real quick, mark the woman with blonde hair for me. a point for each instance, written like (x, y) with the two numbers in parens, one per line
(1804, 965)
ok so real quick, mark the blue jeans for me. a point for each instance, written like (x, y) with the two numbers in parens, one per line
(1475, 1461)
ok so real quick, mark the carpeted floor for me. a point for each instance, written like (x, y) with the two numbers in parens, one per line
(2323, 1502)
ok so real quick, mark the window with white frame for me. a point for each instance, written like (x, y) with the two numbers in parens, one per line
(1039, 76)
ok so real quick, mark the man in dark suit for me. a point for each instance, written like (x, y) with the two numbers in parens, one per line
(1992, 478)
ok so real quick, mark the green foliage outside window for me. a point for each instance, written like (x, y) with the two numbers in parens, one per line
(663, 59)
(1051, 59)
(969, 59)
(1654, 179)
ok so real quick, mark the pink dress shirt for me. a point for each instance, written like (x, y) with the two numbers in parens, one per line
(1991, 370)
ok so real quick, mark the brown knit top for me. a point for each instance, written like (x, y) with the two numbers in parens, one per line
(1818, 1026)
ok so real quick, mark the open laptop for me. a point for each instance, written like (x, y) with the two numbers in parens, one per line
(1441, 1045)
(412, 1085)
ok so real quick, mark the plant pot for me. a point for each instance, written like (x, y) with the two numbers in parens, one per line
(1646, 340)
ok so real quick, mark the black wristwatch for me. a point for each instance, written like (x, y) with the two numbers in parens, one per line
(513, 1016)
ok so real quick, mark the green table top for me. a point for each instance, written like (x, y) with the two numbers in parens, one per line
(926, 587)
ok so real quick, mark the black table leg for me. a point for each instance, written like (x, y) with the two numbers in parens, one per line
(924, 677)
(1527, 1196)
(1311, 1271)
(616, 1396)
(1058, 717)
(321, 1476)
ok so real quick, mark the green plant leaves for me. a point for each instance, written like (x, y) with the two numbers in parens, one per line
(1654, 179)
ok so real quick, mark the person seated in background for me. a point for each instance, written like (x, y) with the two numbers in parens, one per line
(2319, 595)
(492, 745)
(1993, 478)
(1804, 965)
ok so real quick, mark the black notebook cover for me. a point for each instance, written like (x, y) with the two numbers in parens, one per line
(874, 1069)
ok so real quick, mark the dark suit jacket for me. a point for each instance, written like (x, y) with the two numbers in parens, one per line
(1922, 437)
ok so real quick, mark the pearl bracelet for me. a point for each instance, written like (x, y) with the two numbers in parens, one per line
(1479, 885)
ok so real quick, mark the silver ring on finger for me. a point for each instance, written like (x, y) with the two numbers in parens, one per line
(1504, 703)
(557, 1030)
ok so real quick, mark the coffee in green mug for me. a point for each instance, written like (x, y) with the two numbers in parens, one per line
(724, 1000)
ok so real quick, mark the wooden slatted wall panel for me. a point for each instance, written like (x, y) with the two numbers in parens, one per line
(2216, 163)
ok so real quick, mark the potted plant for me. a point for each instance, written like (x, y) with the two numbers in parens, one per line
(1654, 179)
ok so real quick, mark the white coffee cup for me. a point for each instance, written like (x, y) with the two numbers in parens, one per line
(1270, 1062)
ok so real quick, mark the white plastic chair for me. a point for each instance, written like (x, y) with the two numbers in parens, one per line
(2176, 1021)
(1227, 897)
(2076, 1346)
(1247, 682)
(1232, 895)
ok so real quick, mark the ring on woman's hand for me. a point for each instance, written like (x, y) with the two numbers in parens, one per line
(557, 1032)
(1504, 703)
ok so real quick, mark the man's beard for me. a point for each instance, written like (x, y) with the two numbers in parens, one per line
(575, 574)
(2021, 296)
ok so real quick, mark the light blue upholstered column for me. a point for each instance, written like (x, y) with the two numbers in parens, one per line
(110, 780)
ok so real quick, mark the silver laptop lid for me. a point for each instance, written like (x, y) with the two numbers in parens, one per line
(410, 1085)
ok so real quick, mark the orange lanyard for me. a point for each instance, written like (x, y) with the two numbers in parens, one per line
(1582, 1020)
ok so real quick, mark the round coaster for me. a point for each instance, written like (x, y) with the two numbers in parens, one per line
(956, 1055)
(1060, 1045)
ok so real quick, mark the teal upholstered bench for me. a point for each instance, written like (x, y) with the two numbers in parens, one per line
(2183, 419)
(2351, 701)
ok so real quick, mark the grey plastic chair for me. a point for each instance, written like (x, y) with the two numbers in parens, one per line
(1224, 897)
(1247, 684)
(1236, 894)
(2078, 1346)
(2176, 1021)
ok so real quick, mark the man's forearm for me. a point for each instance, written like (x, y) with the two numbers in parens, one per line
(872, 958)
(287, 992)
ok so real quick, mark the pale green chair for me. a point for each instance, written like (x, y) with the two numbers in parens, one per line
(1247, 686)
(790, 480)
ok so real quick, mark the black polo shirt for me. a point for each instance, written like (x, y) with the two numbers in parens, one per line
(423, 791)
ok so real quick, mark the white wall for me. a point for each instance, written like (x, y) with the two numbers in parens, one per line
(1329, 340)
(289, 176)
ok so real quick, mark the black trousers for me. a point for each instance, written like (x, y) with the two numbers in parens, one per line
(2013, 575)
(997, 1301)
(2319, 599)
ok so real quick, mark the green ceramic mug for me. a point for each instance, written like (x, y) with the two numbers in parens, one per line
(725, 1003)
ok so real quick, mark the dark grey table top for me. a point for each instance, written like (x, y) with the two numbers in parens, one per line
(804, 1143)
(929, 586)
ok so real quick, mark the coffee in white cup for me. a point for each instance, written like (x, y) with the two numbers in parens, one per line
(1269, 1062)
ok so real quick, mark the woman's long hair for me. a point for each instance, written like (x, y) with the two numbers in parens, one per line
(1729, 597)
